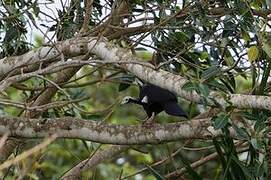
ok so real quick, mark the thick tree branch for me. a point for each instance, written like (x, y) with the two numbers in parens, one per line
(108, 51)
(69, 48)
(44, 98)
(68, 127)
(15, 65)
(172, 82)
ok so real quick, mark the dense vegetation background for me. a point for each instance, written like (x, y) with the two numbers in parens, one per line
(65, 66)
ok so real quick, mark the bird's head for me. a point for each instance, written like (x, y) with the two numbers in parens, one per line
(126, 99)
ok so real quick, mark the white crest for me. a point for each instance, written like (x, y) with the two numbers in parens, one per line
(145, 99)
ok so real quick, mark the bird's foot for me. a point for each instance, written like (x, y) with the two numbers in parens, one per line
(149, 122)
(148, 125)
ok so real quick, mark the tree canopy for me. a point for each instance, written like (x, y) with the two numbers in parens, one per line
(65, 66)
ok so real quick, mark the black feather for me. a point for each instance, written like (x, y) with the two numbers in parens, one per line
(174, 109)
(158, 100)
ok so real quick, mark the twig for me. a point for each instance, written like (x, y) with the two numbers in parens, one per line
(158, 162)
(29, 152)
(88, 10)
(3, 140)
(93, 161)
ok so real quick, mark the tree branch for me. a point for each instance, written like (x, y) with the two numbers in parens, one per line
(68, 127)
(108, 51)
(93, 161)
(88, 10)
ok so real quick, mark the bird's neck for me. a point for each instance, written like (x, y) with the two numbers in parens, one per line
(136, 101)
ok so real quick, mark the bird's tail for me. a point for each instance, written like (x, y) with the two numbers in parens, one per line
(174, 109)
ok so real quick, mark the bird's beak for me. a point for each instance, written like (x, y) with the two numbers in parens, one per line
(122, 102)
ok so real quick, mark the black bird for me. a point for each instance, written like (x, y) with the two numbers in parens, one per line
(155, 100)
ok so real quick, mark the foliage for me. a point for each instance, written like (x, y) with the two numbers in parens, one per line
(217, 45)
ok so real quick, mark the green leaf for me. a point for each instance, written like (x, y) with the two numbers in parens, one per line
(256, 5)
(123, 86)
(242, 133)
(267, 48)
(181, 36)
(267, 131)
(155, 173)
(204, 90)
(92, 117)
(253, 53)
(228, 58)
(144, 55)
(194, 175)
(86, 145)
(245, 36)
(268, 3)
(204, 55)
(216, 85)
(219, 151)
(249, 116)
(228, 82)
(210, 72)
(237, 169)
(38, 40)
(265, 76)
(36, 8)
(11, 34)
(245, 169)
(259, 125)
(220, 121)
(256, 143)
(126, 81)
(231, 79)
(189, 86)
(260, 170)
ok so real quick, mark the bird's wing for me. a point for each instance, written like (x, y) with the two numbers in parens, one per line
(156, 94)
(172, 108)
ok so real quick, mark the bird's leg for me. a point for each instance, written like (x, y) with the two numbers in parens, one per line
(149, 122)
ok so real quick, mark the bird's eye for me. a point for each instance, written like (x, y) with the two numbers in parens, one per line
(125, 100)
(128, 99)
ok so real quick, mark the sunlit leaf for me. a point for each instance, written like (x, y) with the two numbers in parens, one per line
(204, 55)
(144, 55)
(253, 53)
(245, 36)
